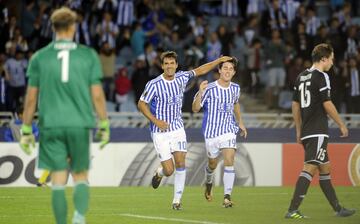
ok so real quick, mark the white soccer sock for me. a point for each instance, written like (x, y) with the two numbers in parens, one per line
(179, 183)
(160, 172)
(229, 177)
(209, 173)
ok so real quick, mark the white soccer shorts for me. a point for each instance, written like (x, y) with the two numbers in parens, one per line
(215, 145)
(166, 143)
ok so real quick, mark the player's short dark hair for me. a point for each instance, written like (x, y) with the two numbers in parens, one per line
(233, 61)
(321, 51)
(168, 54)
(62, 19)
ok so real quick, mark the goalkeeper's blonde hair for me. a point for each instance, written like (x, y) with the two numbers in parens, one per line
(62, 19)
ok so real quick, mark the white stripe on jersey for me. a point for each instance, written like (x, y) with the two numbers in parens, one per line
(218, 103)
(326, 76)
(165, 99)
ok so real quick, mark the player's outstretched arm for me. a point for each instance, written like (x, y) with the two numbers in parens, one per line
(144, 109)
(205, 68)
(295, 108)
(332, 112)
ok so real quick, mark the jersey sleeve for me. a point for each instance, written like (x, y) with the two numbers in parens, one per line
(324, 88)
(149, 92)
(296, 95)
(96, 71)
(33, 71)
(186, 75)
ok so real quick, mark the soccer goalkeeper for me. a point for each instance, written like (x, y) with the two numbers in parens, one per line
(66, 77)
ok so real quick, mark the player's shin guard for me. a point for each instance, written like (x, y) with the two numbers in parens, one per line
(81, 197)
(209, 173)
(301, 188)
(229, 177)
(59, 204)
(179, 183)
(328, 190)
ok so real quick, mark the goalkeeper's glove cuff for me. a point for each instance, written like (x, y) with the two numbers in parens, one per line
(104, 124)
(26, 129)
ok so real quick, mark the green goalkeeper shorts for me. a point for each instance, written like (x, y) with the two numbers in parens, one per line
(64, 148)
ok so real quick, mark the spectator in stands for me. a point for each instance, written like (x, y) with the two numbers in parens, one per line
(352, 42)
(82, 34)
(338, 79)
(107, 58)
(312, 22)
(140, 77)
(303, 42)
(125, 13)
(122, 88)
(16, 67)
(275, 56)
(107, 31)
(274, 18)
(300, 17)
(254, 58)
(353, 85)
(4, 78)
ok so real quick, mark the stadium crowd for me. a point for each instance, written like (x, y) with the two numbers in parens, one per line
(272, 40)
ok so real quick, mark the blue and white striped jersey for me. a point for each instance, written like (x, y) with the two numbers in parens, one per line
(165, 99)
(218, 103)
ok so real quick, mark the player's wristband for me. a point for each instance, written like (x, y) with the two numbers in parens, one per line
(104, 124)
(26, 129)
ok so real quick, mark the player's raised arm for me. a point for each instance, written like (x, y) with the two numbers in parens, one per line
(196, 105)
(205, 68)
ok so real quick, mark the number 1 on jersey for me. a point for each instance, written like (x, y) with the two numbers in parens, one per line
(64, 57)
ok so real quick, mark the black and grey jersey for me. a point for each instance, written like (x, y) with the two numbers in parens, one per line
(311, 90)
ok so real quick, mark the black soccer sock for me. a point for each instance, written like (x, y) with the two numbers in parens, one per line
(328, 190)
(301, 188)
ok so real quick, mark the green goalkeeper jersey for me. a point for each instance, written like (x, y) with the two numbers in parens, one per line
(64, 72)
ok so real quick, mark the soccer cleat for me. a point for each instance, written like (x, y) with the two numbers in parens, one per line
(176, 206)
(227, 201)
(295, 215)
(344, 212)
(208, 192)
(78, 218)
(156, 180)
(41, 184)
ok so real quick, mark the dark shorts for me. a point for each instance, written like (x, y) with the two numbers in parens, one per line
(64, 148)
(316, 150)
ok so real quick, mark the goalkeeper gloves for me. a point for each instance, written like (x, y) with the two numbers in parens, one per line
(103, 133)
(27, 139)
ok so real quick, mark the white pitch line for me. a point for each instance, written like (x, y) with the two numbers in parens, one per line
(168, 219)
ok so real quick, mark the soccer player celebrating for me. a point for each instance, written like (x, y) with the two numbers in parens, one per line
(67, 79)
(222, 121)
(164, 95)
(310, 107)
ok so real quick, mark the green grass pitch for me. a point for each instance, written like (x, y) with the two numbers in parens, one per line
(115, 205)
